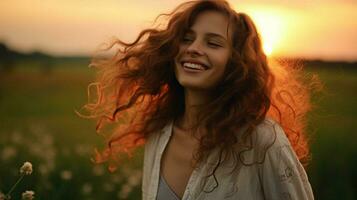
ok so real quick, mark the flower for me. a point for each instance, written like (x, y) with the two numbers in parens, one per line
(26, 168)
(2, 196)
(87, 188)
(124, 191)
(28, 195)
(8, 152)
(66, 175)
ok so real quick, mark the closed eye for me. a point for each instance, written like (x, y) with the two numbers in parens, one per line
(214, 44)
(186, 39)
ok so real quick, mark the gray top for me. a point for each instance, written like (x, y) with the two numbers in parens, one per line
(165, 192)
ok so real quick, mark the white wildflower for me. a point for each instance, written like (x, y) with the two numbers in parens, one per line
(82, 150)
(2, 196)
(17, 138)
(117, 178)
(66, 175)
(47, 140)
(108, 187)
(26, 168)
(98, 170)
(43, 169)
(28, 195)
(135, 178)
(8, 152)
(87, 188)
(124, 191)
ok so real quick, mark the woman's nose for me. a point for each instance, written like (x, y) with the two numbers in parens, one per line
(195, 48)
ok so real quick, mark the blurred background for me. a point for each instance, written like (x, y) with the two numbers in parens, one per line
(45, 50)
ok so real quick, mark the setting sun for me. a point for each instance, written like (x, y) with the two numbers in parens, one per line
(270, 28)
(303, 29)
(268, 49)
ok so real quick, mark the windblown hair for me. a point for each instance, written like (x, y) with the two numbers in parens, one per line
(138, 94)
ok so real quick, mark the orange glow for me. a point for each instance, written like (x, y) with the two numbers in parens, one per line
(270, 25)
(310, 29)
(270, 28)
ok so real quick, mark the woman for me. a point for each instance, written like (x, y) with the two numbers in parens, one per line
(216, 120)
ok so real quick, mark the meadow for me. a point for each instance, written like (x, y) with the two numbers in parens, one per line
(38, 124)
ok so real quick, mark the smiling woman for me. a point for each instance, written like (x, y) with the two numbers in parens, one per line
(204, 52)
(216, 120)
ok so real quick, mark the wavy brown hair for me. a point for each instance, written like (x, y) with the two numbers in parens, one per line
(138, 94)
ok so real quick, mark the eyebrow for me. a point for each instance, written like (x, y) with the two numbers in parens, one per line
(209, 34)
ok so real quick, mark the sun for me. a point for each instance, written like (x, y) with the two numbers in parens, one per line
(268, 49)
(269, 24)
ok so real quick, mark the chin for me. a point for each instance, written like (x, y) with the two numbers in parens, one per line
(192, 85)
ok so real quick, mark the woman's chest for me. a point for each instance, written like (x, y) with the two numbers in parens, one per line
(177, 163)
(243, 183)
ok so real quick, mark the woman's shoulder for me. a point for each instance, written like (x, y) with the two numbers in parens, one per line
(267, 137)
(269, 132)
(281, 172)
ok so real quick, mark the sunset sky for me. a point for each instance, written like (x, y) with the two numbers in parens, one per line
(318, 29)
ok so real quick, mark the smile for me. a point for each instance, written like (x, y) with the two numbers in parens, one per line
(193, 67)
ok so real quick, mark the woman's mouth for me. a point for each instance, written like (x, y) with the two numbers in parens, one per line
(193, 67)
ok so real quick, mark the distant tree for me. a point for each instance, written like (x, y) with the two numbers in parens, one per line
(9, 57)
(6, 59)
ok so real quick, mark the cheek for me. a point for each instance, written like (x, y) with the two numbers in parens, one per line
(220, 63)
(220, 67)
(178, 55)
(176, 65)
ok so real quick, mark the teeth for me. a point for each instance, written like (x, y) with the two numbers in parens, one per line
(194, 66)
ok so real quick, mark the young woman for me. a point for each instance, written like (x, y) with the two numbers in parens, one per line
(216, 120)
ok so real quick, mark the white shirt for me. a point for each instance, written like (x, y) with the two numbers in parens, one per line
(278, 174)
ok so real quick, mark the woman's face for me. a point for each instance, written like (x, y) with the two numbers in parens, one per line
(204, 52)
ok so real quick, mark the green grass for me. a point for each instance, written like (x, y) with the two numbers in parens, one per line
(37, 104)
(39, 124)
(333, 141)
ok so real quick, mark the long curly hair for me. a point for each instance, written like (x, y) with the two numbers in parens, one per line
(137, 93)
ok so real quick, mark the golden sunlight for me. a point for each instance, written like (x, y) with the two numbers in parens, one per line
(268, 49)
(270, 27)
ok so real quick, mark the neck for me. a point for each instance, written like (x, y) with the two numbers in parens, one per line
(194, 101)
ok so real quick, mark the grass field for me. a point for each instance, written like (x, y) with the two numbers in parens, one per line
(38, 124)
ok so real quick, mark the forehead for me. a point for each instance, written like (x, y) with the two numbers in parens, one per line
(211, 22)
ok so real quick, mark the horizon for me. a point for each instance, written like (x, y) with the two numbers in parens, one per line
(75, 28)
(273, 58)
